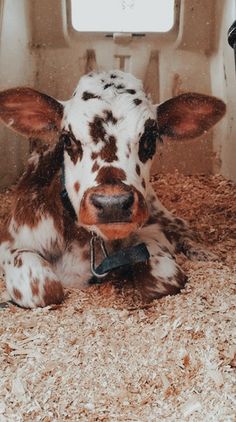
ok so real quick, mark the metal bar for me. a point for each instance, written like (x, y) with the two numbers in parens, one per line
(93, 241)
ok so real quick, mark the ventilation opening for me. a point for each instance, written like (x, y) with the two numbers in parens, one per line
(122, 15)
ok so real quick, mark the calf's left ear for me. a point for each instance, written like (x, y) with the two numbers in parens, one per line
(31, 113)
(189, 115)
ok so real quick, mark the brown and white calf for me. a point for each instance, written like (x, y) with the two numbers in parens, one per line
(106, 137)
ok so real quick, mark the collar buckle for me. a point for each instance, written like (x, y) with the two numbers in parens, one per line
(93, 241)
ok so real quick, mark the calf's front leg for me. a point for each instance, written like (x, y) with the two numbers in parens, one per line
(160, 275)
(30, 280)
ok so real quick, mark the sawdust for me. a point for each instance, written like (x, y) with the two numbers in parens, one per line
(104, 356)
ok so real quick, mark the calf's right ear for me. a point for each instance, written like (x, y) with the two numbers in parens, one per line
(31, 113)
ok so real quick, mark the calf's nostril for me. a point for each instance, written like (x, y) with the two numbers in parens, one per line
(98, 201)
(127, 201)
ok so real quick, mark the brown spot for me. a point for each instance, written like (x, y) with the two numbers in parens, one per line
(131, 91)
(35, 286)
(181, 278)
(151, 287)
(76, 187)
(17, 294)
(120, 86)
(53, 292)
(171, 289)
(138, 171)
(94, 155)
(5, 236)
(95, 167)
(140, 206)
(151, 220)
(110, 175)
(86, 255)
(108, 152)
(72, 146)
(147, 142)
(137, 101)
(72, 232)
(38, 192)
(145, 282)
(108, 85)
(18, 261)
(31, 204)
(21, 251)
(89, 95)
(97, 130)
(143, 184)
(36, 145)
(109, 117)
(83, 237)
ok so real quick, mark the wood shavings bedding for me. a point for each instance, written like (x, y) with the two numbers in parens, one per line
(104, 356)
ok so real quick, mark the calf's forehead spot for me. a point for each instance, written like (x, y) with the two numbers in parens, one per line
(108, 104)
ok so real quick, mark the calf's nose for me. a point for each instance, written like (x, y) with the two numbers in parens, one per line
(113, 208)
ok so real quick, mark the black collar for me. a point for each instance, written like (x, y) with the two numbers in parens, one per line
(123, 258)
(67, 204)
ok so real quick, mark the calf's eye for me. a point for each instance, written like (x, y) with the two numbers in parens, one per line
(66, 139)
(72, 146)
(147, 142)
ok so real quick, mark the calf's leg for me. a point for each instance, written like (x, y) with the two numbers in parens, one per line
(30, 280)
(160, 275)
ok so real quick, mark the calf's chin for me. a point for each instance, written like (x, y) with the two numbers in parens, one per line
(114, 231)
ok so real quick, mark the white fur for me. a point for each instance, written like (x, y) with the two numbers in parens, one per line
(72, 269)
(44, 237)
(127, 131)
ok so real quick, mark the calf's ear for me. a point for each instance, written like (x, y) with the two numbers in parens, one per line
(31, 113)
(189, 115)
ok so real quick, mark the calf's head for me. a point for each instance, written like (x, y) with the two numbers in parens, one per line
(109, 129)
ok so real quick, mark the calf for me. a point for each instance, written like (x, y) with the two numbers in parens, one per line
(91, 177)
